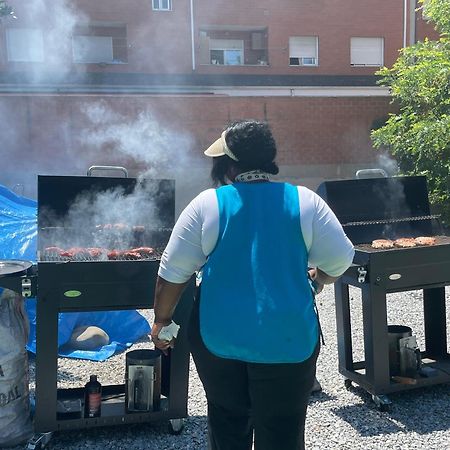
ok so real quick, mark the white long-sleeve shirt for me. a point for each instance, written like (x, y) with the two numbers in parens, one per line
(197, 229)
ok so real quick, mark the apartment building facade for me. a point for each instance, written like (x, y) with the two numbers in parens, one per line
(306, 66)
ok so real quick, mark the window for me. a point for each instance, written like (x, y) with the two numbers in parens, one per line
(303, 51)
(233, 45)
(25, 44)
(227, 51)
(100, 43)
(366, 51)
(162, 5)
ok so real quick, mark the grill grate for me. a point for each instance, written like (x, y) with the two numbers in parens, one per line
(48, 256)
(367, 247)
(389, 221)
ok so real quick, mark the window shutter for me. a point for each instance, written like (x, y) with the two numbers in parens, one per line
(25, 44)
(303, 47)
(366, 51)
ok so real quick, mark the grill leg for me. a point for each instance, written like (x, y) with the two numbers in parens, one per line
(343, 326)
(46, 364)
(435, 322)
(376, 342)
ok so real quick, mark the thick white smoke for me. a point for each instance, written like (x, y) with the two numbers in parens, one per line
(159, 149)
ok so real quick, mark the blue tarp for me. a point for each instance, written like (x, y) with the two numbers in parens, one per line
(18, 240)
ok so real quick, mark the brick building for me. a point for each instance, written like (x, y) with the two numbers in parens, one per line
(150, 83)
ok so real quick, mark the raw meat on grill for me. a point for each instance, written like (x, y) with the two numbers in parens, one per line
(113, 226)
(130, 255)
(113, 254)
(56, 250)
(145, 252)
(405, 242)
(95, 252)
(425, 240)
(120, 226)
(382, 243)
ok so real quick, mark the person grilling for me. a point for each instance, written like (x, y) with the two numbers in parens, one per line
(253, 331)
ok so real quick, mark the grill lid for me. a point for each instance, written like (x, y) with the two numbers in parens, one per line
(373, 208)
(104, 212)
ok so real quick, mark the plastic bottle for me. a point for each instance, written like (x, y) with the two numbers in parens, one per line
(92, 397)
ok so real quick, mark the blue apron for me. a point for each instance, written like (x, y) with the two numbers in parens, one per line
(256, 303)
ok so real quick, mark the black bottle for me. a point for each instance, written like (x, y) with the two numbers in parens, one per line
(92, 397)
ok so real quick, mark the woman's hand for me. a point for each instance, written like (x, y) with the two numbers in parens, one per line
(320, 278)
(163, 345)
(318, 286)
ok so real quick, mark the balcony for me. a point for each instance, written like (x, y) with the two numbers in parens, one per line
(233, 46)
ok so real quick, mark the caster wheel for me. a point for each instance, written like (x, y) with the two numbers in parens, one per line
(176, 426)
(39, 441)
(348, 384)
(382, 402)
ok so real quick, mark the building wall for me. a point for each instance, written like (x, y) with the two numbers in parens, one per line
(321, 134)
(160, 41)
(317, 138)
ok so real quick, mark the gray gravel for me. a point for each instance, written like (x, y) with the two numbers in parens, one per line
(337, 418)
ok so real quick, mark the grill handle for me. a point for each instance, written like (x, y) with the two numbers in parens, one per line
(118, 168)
(371, 173)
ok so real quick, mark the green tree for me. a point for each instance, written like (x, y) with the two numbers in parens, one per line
(418, 135)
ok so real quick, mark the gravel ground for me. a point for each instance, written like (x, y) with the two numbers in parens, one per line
(337, 418)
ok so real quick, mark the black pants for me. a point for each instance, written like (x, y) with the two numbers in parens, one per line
(269, 400)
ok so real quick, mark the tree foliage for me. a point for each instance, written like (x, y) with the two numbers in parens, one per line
(418, 135)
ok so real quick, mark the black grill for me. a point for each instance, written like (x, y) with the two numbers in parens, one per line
(390, 208)
(82, 275)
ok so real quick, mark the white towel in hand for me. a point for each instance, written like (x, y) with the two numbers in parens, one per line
(169, 332)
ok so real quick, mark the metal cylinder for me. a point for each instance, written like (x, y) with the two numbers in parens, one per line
(143, 380)
(395, 333)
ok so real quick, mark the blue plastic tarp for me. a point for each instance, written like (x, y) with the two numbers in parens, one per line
(18, 240)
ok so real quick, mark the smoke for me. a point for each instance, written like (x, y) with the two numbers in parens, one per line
(158, 149)
(57, 21)
(388, 164)
(107, 218)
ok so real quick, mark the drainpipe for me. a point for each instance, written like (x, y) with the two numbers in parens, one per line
(412, 22)
(192, 36)
(405, 21)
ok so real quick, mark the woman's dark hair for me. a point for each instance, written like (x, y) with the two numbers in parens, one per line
(253, 145)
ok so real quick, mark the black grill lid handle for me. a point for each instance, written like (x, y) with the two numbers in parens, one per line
(371, 173)
(118, 168)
